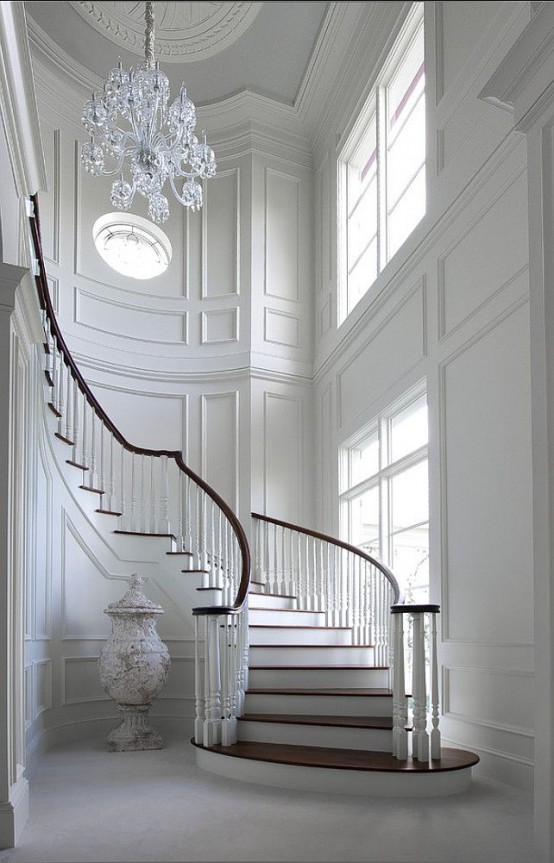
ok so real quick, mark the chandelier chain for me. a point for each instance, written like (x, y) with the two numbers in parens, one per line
(149, 34)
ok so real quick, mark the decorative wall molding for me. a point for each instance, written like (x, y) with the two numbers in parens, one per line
(125, 312)
(219, 326)
(281, 232)
(42, 686)
(281, 328)
(222, 222)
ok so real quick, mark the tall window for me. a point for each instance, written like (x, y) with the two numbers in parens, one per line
(383, 167)
(385, 493)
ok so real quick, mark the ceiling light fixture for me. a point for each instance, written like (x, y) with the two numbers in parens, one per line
(159, 142)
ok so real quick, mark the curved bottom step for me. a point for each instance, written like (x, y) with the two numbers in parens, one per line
(339, 771)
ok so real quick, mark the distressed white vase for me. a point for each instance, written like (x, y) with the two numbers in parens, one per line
(133, 665)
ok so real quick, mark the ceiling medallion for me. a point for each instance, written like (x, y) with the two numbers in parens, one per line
(186, 31)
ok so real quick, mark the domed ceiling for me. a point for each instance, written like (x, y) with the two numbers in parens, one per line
(218, 49)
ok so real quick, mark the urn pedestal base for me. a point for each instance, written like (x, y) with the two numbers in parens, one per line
(134, 734)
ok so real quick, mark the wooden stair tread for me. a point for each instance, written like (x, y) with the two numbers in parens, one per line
(91, 488)
(369, 692)
(364, 667)
(187, 553)
(76, 464)
(296, 626)
(108, 512)
(141, 532)
(344, 759)
(384, 722)
(311, 646)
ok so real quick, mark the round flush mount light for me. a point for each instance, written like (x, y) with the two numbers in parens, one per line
(131, 245)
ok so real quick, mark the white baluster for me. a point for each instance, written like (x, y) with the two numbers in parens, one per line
(61, 403)
(54, 397)
(165, 526)
(152, 497)
(400, 715)
(69, 402)
(76, 423)
(229, 724)
(133, 512)
(122, 494)
(93, 475)
(110, 504)
(435, 733)
(212, 721)
(420, 738)
(84, 441)
(199, 695)
(142, 497)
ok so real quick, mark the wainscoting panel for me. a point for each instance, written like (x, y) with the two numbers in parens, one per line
(129, 321)
(281, 235)
(283, 449)
(486, 485)
(281, 328)
(220, 460)
(220, 244)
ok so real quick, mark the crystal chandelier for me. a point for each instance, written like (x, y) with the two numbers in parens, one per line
(158, 141)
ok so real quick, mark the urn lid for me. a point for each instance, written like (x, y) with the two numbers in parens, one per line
(134, 601)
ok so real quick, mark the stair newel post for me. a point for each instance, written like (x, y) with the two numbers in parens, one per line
(400, 714)
(244, 646)
(164, 525)
(420, 738)
(435, 733)
(199, 695)
(212, 683)
(224, 651)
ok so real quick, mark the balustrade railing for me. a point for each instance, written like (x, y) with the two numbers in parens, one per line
(153, 492)
(326, 574)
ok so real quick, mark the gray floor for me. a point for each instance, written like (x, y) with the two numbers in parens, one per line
(89, 806)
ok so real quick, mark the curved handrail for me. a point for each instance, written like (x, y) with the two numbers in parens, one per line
(341, 544)
(47, 306)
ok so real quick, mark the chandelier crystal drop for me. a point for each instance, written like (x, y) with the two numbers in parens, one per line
(132, 123)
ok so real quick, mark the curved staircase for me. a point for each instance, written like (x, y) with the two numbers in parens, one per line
(299, 670)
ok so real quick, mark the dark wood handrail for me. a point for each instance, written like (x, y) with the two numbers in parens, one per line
(341, 544)
(47, 306)
(403, 608)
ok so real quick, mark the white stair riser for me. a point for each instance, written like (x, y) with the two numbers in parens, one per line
(322, 705)
(267, 601)
(376, 739)
(298, 635)
(282, 617)
(315, 678)
(336, 781)
(328, 655)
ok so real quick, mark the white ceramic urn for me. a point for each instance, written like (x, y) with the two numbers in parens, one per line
(133, 665)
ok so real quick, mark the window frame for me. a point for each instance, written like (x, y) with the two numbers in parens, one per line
(374, 109)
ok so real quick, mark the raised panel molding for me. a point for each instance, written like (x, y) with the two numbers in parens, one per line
(491, 690)
(282, 223)
(486, 405)
(486, 258)
(42, 678)
(220, 443)
(133, 322)
(28, 695)
(438, 26)
(50, 200)
(281, 328)
(283, 456)
(78, 673)
(388, 353)
(40, 553)
(325, 317)
(219, 326)
(221, 235)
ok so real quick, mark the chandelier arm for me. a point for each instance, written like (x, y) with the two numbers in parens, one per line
(174, 190)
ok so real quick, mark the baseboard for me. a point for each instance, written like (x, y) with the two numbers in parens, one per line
(499, 766)
(14, 814)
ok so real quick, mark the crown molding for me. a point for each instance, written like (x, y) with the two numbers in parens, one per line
(18, 101)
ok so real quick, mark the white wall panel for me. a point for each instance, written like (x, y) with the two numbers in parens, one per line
(461, 30)
(40, 557)
(220, 418)
(147, 420)
(219, 326)
(221, 234)
(281, 328)
(49, 200)
(283, 449)
(496, 697)
(81, 681)
(390, 352)
(28, 695)
(486, 257)
(129, 321)
(486, 493)
(281, 235)
(42, 678)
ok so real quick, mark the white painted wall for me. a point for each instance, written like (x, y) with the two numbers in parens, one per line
(451, 308)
